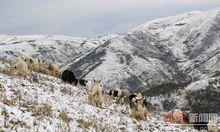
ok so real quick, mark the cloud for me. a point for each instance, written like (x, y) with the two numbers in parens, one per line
(87, 17)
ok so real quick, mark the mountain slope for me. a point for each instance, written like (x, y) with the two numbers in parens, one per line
(60, 50)
(177, 49)
(51, 105)
(192, 38)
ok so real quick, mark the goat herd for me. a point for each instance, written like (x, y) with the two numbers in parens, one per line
(21, 66)
(138, 105)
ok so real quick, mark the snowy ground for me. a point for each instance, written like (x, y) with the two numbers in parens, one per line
(51, 105)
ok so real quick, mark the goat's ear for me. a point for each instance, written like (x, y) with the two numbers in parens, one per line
(30, 60)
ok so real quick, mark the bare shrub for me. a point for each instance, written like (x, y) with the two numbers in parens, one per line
(83, 124)
(30, 105)
(2, 88)
(44, 110)
(2, 91)
(18, 123)
(7, 101)
(65, 117)
(18, 95)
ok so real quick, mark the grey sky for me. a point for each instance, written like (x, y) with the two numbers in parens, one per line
(88, 18)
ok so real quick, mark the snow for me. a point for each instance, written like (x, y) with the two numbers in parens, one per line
(167, 30)
(198, 85)
(73, 100)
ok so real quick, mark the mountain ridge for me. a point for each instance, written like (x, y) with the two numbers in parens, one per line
(174, 41)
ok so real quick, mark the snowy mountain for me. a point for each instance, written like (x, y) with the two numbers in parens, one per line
(160, 57)
(177, 49)
(60, 50)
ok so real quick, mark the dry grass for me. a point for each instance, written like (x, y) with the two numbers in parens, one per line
(16, 92)
(30, 105)
(18, 95)
(6, 116)
(85, 124)
(2, 91)
(44, 110)
(5, 113)
(2, 88)
(18, 123)
(64, 116)
(7, 101)
(6, 71)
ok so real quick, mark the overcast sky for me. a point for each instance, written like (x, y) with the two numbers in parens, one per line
(87, 18)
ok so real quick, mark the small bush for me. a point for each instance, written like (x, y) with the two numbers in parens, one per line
(2, 88)
(7, 101)
(18, 123)
(2, 91)
(64, 116)
(30, 105)
(87, 124)
(44, 110)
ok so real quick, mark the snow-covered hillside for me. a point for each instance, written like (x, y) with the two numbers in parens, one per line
(51, 105)
(177, 49)
(60, 50)
(191, 39)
